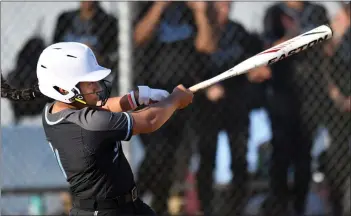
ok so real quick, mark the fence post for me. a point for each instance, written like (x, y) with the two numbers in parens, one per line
(125, 56)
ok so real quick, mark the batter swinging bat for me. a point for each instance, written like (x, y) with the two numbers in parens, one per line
(272, 55)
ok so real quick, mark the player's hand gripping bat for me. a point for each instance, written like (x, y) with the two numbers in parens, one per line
(272, 55)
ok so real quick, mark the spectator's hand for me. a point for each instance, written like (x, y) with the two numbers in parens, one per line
(215, 92)
(197, 6)
(340, 23)
(333, 91)
(183, 96)
(346, 105)
(342, 102)
(260, 74)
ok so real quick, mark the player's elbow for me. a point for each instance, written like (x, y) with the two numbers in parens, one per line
(152, 122)
(146, 123)
(154, 125)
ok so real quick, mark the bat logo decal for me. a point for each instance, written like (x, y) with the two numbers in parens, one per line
(277, 48)
(299, 49)
(312, 33)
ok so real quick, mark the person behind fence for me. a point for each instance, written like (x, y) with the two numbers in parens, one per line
(23, 76)
(84, 128)
(337, 161)
(171, 41)
(291, 103)
(91, 25)
(225, 106)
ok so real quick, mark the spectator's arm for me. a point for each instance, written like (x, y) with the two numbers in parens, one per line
(205, 41)
(148, 23)
(339, 24)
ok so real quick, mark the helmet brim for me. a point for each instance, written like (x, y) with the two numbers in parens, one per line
(99, 74)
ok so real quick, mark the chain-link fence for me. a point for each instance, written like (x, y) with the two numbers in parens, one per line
(293, 158)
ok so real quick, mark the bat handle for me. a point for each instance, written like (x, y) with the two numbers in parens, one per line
(202, 85)
(195, 88)
(209, 82)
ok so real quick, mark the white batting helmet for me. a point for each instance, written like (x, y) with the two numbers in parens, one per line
(64, 65)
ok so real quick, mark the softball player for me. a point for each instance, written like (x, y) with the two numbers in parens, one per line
(85, 128)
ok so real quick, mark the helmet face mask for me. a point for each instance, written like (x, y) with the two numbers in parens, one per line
(64, 66)
(103, 94)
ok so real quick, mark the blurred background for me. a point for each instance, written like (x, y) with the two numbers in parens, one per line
(274, 141)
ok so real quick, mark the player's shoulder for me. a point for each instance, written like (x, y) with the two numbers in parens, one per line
(98, 120)
(90, 119)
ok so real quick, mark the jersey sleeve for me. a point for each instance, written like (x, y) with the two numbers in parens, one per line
(120, 125)
(112, 125)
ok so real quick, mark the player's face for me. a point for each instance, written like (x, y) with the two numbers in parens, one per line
(90, 91)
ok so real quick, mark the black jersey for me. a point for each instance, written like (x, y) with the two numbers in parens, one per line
(87, 145)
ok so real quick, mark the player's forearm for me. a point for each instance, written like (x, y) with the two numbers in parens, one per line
(144, 29)
(117, 104)
(120, 104)
(154, 116)
(205, 40)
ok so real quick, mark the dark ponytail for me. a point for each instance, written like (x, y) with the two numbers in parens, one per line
(25, 94)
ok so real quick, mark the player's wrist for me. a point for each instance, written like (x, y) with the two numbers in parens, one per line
(176, 99)
(173, 100)
(133, 98)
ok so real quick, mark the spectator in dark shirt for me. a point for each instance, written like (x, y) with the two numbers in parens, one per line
(337, 69)
(171, 40)
(292, 105)
(92, 26)
(225, 106)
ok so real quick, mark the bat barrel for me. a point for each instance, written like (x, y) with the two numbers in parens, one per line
(272, 55)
